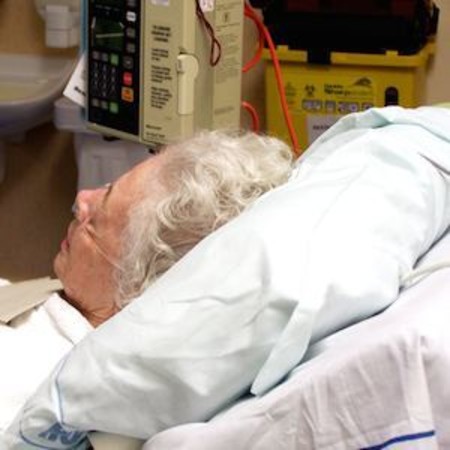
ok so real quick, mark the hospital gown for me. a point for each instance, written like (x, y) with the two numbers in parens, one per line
(30, 346)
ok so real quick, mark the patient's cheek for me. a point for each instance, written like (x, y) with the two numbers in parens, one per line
(72, 278)
(87, 277)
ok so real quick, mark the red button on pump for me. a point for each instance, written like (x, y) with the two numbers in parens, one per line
(127, 78)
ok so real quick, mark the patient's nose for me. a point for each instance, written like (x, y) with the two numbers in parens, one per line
(84, 204)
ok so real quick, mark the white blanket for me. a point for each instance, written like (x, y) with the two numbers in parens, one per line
(30, 347)
(381, 384)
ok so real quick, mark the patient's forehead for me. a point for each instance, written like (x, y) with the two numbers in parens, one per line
(142, 180)
(115, 204)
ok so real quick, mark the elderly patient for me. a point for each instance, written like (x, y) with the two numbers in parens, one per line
(124, 235)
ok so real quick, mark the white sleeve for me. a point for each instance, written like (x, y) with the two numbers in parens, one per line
(30, 347)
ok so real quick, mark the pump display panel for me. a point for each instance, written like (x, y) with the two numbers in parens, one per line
(114, 64)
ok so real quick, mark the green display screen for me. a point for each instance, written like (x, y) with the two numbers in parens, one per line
(108, 34)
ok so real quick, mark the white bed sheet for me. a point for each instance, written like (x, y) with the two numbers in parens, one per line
(382, 383)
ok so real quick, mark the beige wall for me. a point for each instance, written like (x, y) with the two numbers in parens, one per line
(22, 30)
(40, 183)
(253, 80)
(438, 82)
(35, 201)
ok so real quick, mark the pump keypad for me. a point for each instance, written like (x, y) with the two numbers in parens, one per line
(103, 83)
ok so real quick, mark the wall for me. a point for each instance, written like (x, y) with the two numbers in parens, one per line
(40, 185)
(438, 86)
(253, 80)
(22, 30)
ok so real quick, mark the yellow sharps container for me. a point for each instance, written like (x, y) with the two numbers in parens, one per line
(319, 94)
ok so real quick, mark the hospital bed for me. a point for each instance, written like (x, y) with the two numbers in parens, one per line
(381, 383)
(316, 306)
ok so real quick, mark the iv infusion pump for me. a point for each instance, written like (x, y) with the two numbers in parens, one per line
(150, 74)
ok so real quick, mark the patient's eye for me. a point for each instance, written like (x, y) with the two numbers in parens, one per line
(97, 216)
(107, 189)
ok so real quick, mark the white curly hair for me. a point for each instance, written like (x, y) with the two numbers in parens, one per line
(208, 180)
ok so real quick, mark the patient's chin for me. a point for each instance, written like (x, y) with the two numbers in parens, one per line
(58, 264)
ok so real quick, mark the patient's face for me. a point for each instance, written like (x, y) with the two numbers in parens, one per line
(91, 250)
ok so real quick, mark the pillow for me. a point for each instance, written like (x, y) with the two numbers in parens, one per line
(325, 250)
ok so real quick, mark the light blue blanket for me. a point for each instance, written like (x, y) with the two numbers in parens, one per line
(325, 250)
